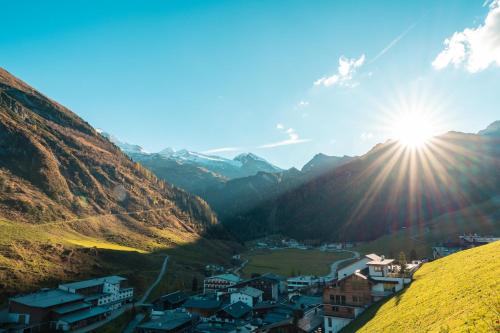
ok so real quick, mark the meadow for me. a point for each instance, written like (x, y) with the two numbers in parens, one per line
(290, 262)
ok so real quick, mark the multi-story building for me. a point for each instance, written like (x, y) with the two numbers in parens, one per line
(110, 292)
(53, 309)
(344, 300)
(248, 295)
(217, 282)
(271, 285)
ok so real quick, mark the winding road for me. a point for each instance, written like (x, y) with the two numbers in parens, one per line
(334, 266)
(140, 316)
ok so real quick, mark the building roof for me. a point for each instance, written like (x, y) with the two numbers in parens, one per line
(252, 292)
(93, 282)
(373, 257)
(237, 310)
(47, 298)
(175, 297)
(72, 308)
(229, 277)
(200, 303)
(168, 322)
(380, 262)
(82, 315)
(273, 276)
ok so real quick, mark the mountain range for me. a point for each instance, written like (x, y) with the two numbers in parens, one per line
(389, 188)
(230, 186)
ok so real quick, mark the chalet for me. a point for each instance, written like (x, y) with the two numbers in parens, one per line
(271, 285)
(170, 301)
(344, 300)
(222, 281)
(203, 307)
(248, 295)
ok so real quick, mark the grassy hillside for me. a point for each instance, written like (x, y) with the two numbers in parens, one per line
(33, 256)
(458, 293)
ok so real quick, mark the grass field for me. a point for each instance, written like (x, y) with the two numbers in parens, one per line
(458, 293)
(289, 262)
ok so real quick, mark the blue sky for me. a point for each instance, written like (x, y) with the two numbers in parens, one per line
(259, 76)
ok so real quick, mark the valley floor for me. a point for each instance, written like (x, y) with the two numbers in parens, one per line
(291, 262)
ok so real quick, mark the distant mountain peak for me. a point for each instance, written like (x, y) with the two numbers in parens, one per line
(322, 162)
(246, 156)
(492, 129)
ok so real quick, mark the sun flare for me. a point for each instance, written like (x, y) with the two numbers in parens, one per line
(413, 129)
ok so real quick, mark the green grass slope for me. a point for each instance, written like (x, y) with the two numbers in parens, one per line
(458, 293)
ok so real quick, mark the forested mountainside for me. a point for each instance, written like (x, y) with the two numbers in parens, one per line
(389, 188)
(72, 205)
(55, 166)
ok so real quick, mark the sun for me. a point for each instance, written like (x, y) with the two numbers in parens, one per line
(413, 129)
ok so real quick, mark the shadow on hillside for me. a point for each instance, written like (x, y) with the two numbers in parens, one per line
(186, 263)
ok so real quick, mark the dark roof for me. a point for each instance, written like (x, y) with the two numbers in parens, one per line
(200, 303)
(175, 297)
(78, 316)
(168, 323)
(47, 298)
(215, 327)
(273, 276)
(237, 310)
(72, 308)
(307, 301)
(93, 282)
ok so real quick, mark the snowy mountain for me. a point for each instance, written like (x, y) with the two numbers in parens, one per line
(191, 170)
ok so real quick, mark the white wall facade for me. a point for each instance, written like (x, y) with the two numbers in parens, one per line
(335, 324)
(237, 297)
(349, 270)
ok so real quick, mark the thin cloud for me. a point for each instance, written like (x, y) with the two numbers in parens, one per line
(366, 136)
(344, 76)
(293, 138)
(221, 150)
(474, 48)
(393, 43)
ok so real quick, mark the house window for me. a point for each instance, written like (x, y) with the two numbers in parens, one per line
(355, 299)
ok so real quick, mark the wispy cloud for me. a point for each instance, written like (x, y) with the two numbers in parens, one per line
(293, 138)
(221, 150)
(366, 136)
(474, 48)
(344, 76)
(392, 43)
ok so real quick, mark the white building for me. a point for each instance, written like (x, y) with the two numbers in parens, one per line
(109, 292)
(248, 295)
(217, 282)
(357, 265)
(299, 282)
